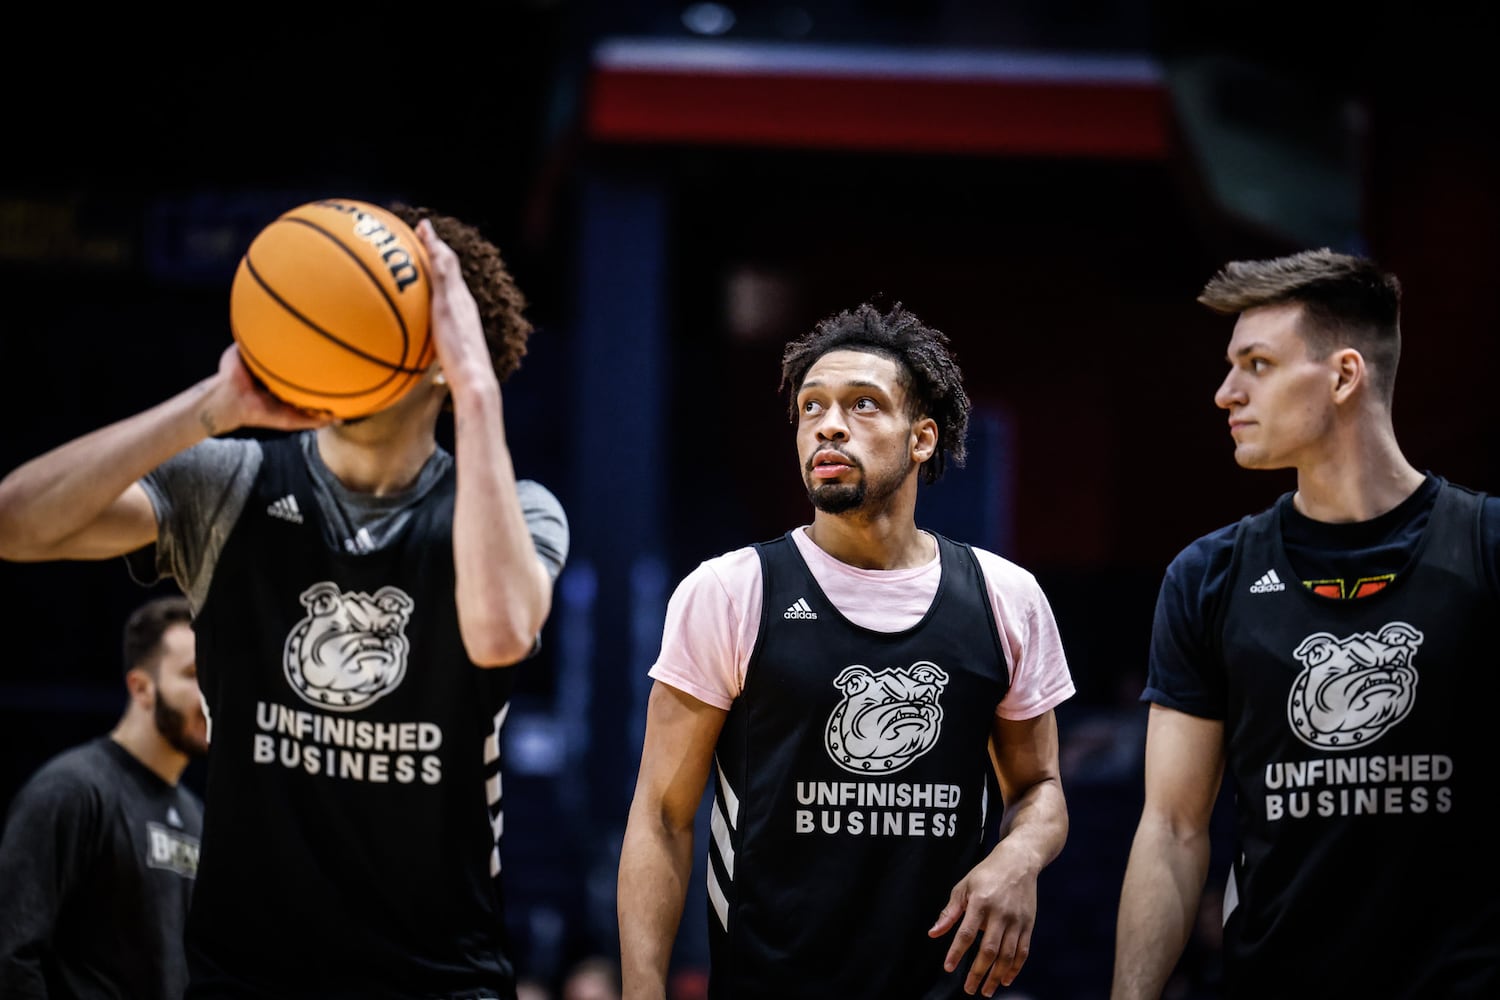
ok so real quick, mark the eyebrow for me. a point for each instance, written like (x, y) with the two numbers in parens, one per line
(1252, 348)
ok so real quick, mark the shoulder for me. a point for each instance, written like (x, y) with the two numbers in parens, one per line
(1001, 573)
(535, 496)
(727, 572)
(215, 458)
(1205, 554)
(72, 782)
(540, 505)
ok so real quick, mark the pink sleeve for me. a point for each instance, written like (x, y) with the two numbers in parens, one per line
(712, 622)
(1039, 676)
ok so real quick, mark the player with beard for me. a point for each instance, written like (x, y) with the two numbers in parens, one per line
(848, 685)
(101, 845)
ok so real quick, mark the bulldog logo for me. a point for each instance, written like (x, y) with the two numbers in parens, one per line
(885, 720)
(1351, 691)
(350, 649)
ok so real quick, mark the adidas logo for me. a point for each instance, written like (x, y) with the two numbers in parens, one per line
(286, 509)
(800, 610)
(360, 543)
(173, 817)
(1270, 583)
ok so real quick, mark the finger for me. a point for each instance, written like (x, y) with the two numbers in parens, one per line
(945, 921)
(1009, 958)
(967, 932)
(995, 964)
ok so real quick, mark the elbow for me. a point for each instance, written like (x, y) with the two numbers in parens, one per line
(500, 642)
(496, 634)
(490, 652)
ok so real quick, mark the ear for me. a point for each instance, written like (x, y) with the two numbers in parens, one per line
(924, 439)
(141, 687)
(1349, 373)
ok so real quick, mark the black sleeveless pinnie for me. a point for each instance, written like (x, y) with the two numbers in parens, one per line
(352, 788)
(1358, 735)
(851, 791)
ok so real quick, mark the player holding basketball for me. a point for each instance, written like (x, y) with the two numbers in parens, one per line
(1332, 653)
(848, 685)
(347, 585)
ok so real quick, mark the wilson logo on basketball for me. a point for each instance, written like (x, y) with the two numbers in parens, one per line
(398, 258)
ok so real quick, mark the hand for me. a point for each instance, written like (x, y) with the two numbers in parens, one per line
(235, 399)
(457, 329)
(997, 904)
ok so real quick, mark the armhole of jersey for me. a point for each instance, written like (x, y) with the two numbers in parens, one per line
(1215, 615)
(765, 610)
(1489, 559)
(988, 602)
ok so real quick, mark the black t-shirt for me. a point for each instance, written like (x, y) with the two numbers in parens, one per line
(96, 872)
(1357, 743)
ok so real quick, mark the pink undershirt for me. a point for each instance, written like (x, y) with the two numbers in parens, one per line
(714, 616)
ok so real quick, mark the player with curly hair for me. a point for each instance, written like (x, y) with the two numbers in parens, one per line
(351, 585)
(848, 684)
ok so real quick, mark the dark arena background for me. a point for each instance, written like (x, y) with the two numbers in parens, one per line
(680, 188)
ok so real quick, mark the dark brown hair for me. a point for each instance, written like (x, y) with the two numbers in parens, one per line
(928, 370)
(501, 303)
(147, 624)
(1345, 300)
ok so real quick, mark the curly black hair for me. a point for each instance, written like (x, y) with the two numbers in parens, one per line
(501, 303)
(928, 368)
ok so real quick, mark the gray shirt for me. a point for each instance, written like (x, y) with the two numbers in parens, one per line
(199, 493)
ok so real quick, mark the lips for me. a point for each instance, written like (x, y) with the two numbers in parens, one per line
(829, 462)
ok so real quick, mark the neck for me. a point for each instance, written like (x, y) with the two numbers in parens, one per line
(384, 452)
(138, 734)
(1360, 479)
(881, 541)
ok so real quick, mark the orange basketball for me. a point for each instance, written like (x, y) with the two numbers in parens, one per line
(330, 307)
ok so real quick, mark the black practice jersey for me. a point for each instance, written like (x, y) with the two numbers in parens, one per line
(1360, 763)
(851, 793)
(353, 782)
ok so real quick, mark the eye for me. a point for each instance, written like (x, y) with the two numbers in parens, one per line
(1259, 365)
(811, 407)
(865, 404)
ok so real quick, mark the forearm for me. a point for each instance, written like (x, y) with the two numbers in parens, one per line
(655, 865)
(503, 591)
(50, 498)
(1158, 907)
(1036, 824)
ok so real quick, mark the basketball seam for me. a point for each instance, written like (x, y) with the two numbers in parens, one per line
(265, 372)
(400, 320)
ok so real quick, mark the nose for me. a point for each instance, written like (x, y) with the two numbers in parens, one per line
(833, 426)
(1230, 393)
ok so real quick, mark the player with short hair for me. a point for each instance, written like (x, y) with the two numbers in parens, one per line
(1331, 654)
(100, 846)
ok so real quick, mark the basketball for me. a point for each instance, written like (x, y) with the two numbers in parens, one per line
(330, 306)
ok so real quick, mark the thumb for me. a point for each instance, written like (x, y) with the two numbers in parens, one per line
(951, 915)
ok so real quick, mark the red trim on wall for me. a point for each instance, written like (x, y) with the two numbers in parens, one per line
(1111, 119)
